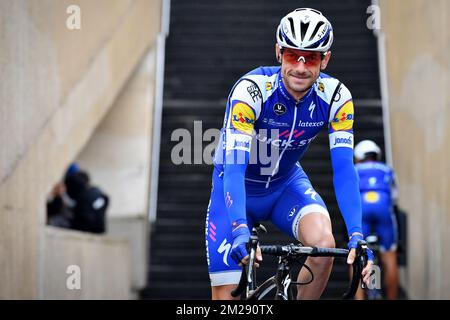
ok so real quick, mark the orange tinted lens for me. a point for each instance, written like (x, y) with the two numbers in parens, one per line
(310, 59)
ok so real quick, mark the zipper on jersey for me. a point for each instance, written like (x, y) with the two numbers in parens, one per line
(287, 144)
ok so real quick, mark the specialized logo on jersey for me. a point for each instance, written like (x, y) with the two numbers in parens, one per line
(312, 193)
(371, 197)
(311, 108)
(225, 249)
(243, 118)
(279, 109)
(344, 117)
(228, 200)
(268, 86)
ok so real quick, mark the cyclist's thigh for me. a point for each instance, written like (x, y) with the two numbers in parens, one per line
(223, 269)
(297, 200)
(260, 206)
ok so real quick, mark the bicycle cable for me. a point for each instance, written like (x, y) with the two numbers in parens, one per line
(308, 282)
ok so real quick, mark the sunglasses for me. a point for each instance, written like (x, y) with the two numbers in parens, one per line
(309, 58)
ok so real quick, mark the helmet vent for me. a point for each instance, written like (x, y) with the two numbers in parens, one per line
(326, 41)
(291, 22)
(319, 24)
(314, 45)
(280, 35)
(303, 29)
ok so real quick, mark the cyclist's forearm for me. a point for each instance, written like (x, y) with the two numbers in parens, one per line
(234, 189)
(346, 186)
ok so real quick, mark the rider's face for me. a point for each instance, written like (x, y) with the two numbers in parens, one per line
(300, 69)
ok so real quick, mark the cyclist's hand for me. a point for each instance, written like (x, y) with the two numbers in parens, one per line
(258, 258)
(352, 244)
(367, 272)
(241, 235)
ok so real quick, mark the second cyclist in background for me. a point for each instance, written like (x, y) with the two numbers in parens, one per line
(378, 197)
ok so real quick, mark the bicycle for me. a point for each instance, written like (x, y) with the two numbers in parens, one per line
(287, 256)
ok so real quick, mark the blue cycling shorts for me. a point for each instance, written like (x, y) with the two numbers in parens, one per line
(379, 218)
(283, 203)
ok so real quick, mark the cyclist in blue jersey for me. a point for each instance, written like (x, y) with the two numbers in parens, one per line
(378, 196)
(272, 115)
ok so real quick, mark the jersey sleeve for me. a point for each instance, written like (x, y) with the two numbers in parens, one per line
(244, 109)
(340, 127)
(345, 177)
(394, 187)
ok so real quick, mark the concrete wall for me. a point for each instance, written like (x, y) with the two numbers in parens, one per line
(103, 262)
(57, 85)
(118, 160)
(118, 153)
(418, 62)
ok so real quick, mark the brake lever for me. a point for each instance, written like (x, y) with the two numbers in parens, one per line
(358, 266)
(362, 246)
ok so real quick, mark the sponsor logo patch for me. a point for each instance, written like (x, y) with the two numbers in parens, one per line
(254, 92)
(307, 124)
(371, 196)
(279, 109)
(341, 139)
(344, 117)
(293, 212)
(243, 118)
(321, 87)
(276, 123)
(348, 141)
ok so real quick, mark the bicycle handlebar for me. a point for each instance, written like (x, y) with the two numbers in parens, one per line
(296, 250)
(278, 250)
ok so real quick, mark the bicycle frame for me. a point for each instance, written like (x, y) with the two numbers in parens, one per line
(281, 281)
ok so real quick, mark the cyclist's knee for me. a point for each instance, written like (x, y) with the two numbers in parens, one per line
(223, 292)
(323, 239)
(326, 240)
(315, 230)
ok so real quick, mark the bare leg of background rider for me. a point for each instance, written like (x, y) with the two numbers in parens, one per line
(390, 268)
(314, 229)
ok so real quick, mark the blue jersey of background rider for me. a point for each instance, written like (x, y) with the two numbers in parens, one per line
(259, 112)
(378, 194)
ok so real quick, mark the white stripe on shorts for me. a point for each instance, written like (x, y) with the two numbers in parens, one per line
(225, 277)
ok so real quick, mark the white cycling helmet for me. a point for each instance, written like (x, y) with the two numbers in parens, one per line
(364, 147)
(305, 29)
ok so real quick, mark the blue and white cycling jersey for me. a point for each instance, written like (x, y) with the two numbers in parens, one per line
(260, 102)
(378, 191)
(376, 176)
(261, 111)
